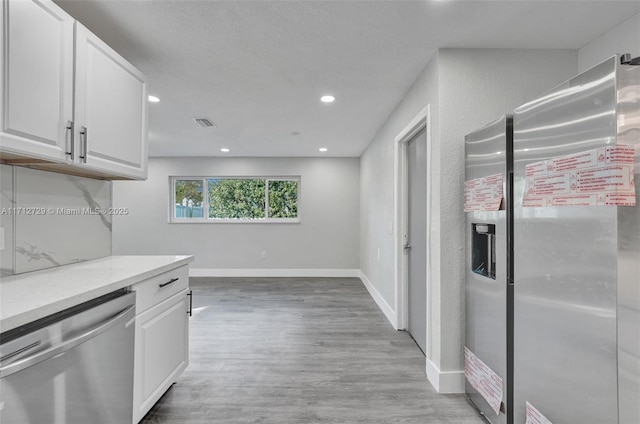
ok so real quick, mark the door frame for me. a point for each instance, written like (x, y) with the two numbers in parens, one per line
(401, 217)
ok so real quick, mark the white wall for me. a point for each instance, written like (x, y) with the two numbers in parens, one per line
(377, 184)
(325, 240)
(465, 88)
(625, 38)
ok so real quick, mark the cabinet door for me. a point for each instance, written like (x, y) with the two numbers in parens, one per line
(161, 351)
(37, 85)
(110, 109)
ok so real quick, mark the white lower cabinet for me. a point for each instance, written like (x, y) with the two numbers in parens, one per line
(162, 337)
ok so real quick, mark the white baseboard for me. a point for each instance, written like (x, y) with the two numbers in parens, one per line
(382, 304)
(445, 381)
(239, 272)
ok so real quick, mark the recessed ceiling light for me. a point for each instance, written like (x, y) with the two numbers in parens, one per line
(323, 149)
(154, 99)
(224, 150)
(327, 99)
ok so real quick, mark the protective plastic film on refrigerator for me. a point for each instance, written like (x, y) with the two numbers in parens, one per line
(487, 205)
(577, 251)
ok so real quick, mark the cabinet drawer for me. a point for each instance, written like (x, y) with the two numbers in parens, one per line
(156, 289)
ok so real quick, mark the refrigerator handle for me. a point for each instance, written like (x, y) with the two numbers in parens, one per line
(625, 59)
(510, 241)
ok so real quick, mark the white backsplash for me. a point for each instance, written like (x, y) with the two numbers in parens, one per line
(59, 219)
(6, 219)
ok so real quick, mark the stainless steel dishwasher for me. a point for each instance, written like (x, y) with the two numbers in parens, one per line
(74, 367)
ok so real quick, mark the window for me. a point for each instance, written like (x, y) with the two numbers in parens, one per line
(235, 199)
(188, 195)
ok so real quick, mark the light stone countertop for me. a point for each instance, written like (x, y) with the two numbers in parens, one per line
(27, 297)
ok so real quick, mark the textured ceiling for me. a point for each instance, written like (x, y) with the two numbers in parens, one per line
(258, 68)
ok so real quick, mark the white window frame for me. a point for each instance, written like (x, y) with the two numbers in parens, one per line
(205, 201)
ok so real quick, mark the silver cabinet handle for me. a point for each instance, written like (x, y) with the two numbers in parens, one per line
(173, 280)
(72, 150)
(190, 294)
(83, 140)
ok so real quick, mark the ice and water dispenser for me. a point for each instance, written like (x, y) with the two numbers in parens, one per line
(483, 249)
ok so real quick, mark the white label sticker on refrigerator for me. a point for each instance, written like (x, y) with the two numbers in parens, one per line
(534, 416)
(483, 194)
(602, 176)
(483, 379)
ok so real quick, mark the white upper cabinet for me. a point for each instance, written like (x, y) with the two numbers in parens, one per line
(110, 109)
(37, 87)
(70, 102)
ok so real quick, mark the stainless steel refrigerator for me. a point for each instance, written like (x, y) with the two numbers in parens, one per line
(577, 250)
(488, 281)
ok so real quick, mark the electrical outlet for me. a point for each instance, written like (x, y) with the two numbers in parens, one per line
(264, 253)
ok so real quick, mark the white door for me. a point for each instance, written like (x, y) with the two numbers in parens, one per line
(416, 239)
(37, 89)
(111, 109)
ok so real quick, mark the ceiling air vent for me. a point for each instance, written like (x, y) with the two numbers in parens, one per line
(204, 122)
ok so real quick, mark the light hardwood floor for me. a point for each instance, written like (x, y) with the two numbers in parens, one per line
(294, 351)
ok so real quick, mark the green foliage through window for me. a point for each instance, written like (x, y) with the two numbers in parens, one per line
(283, 199)
(236, 199)
(242, 198)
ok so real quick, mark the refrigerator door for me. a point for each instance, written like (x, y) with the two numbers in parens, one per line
(629, 255)
(566, 257)
(487, 168)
